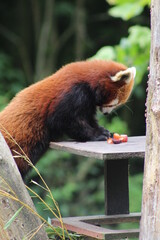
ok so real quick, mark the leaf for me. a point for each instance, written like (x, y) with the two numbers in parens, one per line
(12, 218)
(140, 35)
(132, 51)
(49, 220)
(105, 53)
(126, 10)
(117, 2)
(67, 235)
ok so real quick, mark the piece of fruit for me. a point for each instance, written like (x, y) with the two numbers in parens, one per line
(124, 138)
(116, 136)
(116, 141)
(110, 140)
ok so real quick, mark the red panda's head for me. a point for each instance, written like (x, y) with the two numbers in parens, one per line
(117, 87)
(111, 81)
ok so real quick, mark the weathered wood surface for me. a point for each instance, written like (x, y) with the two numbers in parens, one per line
(150, 222)
(135, 147)
(10, 180)
(113, 219)
(87, 226)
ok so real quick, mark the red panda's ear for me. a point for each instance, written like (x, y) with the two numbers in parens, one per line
(125, 75)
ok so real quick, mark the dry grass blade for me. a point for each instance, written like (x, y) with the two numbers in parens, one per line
(46, 188)
(8, 195)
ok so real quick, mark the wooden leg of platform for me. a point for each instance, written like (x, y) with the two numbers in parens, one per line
(116, 187)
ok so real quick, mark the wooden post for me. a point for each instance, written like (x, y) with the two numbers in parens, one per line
(10, 180)
(116, 187)
(150, 222)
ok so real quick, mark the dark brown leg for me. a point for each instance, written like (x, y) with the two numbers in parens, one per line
(116, 187)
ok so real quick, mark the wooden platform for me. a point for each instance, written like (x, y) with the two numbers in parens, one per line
(116, 188)
(91, 226)
(135, 147)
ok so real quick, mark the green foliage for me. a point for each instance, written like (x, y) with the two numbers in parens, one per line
(68, 175)
(132, 51)
(11, 80)
(115, 125)
(105, 53)
(64, 9)
(127, 9)
(135, 186)
(135, 50)
(67, 236)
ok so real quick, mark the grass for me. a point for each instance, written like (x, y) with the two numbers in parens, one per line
(7, 191)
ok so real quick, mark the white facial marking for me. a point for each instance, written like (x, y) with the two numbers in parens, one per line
(109, 107)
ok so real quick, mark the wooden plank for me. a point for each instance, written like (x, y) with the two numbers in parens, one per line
(116, 187)
(135, 147)
(77, 224)
(108, 219)
(82, 228)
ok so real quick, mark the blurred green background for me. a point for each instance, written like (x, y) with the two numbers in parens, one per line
(37, 37)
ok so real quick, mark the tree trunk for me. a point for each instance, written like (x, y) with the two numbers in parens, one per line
(44, 40)
(80, 29)
(26, 223)
(150, 221)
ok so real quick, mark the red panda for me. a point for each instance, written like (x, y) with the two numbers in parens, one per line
(65, 104)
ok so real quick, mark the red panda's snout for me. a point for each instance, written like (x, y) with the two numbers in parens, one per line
(122, 85)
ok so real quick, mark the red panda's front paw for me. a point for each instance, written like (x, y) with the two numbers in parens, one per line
(105, 132)
(100, 138)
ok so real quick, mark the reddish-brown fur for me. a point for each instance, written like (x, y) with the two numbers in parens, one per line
(24, 118)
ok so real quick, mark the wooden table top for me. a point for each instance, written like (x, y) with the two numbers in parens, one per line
(135, 147)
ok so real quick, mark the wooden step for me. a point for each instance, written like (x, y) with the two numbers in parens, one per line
(91, 226)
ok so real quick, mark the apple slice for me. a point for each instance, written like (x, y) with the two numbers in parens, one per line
(124, 138)
(110, 140)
